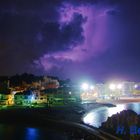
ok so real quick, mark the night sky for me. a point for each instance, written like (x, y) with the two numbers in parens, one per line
(77, 39)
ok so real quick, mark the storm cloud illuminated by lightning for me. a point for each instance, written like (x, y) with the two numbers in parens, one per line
(73, 39)
(93, 26)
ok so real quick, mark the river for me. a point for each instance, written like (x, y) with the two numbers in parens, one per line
(99, 115)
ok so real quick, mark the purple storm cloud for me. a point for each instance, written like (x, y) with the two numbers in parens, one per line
(75, 38)
(94, 29)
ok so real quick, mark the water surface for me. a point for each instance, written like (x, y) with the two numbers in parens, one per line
(17, 132)
(97, 116)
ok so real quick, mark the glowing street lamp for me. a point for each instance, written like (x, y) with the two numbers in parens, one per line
(135, 86)
(112, 86)
(85, 86)
(119, 86)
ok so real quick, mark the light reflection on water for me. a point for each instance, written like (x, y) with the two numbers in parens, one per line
(19, 132)
(96, 117)
(12, 132)
(31, 134)
(113, 110)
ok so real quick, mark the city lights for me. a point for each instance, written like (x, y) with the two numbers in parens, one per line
(32, 98)
(115, 86)
(112, 86)
(85, 86)
(136, 86)
(119, 86)
(91, 87)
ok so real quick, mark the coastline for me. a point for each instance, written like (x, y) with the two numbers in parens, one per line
(31, 115)
(120, 101)
(63, 120)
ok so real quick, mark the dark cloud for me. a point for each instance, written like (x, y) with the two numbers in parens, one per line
(28, 30)
(62, 37)
(32, 29)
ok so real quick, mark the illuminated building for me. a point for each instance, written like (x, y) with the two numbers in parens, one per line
(128, 87)
(88, 92)
(50, 82)
(64, 96)
(40, 97)
(136, 89)
(6, 98)
(24, 98)
(100, 89)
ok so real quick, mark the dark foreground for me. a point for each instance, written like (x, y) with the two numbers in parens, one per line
(125, 125)
(53, 120)
(62, 122)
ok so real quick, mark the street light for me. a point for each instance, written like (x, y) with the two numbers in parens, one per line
(112, 86)
(136, 86)
(119, 86)
(85, 86)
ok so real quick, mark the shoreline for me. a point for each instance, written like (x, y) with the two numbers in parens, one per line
(40, 118)
(69, 113)
(121, 101)
(60, 119)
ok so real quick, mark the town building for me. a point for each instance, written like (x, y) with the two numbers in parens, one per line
(64, 96)
(6, 98)
(24, 98)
